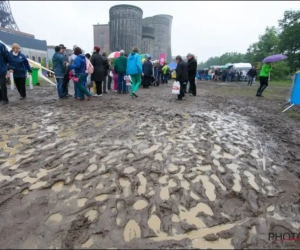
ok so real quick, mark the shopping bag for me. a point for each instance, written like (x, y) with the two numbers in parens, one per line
(30, 82)
(12, 82)
(111, 74)
(176, 88)
(188, 87)
(89, 83)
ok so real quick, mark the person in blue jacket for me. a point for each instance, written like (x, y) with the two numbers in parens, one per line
(134, 69)
(5, 59)
(80, 67)
(21, 68)
(59, 68)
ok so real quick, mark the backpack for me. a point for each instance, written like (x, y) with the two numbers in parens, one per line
(89, 67)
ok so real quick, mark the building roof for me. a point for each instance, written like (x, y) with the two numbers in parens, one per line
(23, 41)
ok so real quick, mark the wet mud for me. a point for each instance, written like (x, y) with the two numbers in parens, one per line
(208, 172)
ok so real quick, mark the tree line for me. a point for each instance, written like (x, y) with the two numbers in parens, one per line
(284, 39)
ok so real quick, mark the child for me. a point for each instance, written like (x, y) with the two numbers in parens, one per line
(115, 79)
(127, 79)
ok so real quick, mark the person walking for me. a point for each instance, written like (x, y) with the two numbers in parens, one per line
(147, 72)
(105, 74)
(66, 76)
(120, 69)
(5, 61)
(192, 70)
(134, 69)
(59, 66)
(159, 74)
(21, 68)
(99, 64)
(181, 75)
(264, 78)
(251, 74)
(80, 70)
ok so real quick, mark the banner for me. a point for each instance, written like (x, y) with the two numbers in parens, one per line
(295, 93)
(162, 58)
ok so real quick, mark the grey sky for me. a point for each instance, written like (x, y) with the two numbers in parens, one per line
(204, 28)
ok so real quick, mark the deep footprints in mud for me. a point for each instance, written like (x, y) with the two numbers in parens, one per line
(140, 176)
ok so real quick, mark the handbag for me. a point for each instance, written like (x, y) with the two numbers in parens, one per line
(89, 83)
(176, 88)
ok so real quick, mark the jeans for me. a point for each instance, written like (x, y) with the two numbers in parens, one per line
(121, 83)
(250, 80)
(76, 92)
(59, 87)
(109, 83)
(165, 78)
(3, 89)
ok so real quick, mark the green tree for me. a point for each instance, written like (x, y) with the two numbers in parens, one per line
(267, 45)
(289, 38)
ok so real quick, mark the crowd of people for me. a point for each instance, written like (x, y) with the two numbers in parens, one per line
(225, 75)
(127, 73)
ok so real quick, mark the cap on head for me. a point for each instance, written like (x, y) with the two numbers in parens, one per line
(148, 56)
(75, 46)
(63, 46)
(122, 51)
(189, 54)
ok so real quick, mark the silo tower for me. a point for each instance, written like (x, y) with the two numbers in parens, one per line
(125, 27)
(148, 39)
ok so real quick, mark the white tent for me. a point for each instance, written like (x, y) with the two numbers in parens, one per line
(36, 65)
(242, 66)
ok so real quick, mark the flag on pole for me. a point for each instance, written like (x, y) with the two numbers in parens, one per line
(162, 58)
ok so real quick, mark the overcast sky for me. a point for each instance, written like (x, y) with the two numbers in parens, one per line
(204, 28)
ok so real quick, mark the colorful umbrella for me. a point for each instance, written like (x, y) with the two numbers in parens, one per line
(274, 58)
(114, 55)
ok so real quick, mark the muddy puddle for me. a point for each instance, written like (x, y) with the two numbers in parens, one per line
(151, 180)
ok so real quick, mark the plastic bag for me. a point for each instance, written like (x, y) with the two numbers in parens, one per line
(30, 82)
(176, 88)
(89, 83)
(12, 82)
(111, 74)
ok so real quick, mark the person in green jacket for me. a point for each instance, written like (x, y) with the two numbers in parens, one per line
(165, 71)
(264, 78)
(120, 68)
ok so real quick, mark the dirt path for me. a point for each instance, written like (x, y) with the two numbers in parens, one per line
(217, 171)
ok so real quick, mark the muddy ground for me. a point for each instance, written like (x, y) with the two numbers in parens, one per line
(220, 170)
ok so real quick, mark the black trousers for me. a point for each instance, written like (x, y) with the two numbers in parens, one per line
(21, 85)
(182, 90)
(263, 84)
(99, 87)
(147, 81)
(192, 86)
(65, 84)
(3, 89)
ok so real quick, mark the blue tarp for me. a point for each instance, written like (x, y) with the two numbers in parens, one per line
(172, 65)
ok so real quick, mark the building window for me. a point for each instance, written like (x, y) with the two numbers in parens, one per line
(39, 59)
(101, 40)
(33, 58)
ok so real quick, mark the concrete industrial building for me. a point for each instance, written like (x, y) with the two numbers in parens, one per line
(32, 48)
(127, 28)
